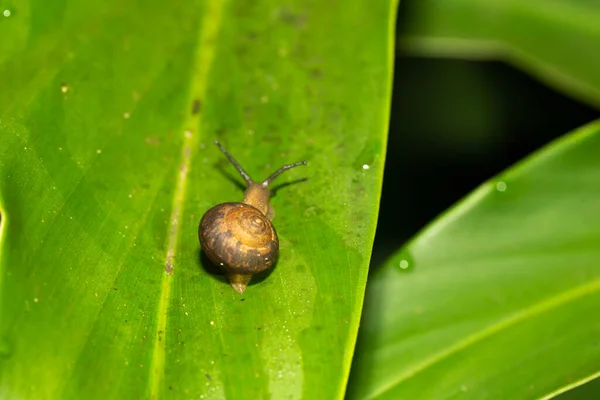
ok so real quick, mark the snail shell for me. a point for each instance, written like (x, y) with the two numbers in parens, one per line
(238, 238)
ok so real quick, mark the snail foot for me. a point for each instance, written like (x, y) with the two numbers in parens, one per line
(239, 282)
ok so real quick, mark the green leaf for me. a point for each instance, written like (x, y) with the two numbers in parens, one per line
(107, 115)
(555, 40)
(496, 299)
(589, 390)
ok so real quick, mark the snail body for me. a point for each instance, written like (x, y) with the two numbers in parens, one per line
(239, 237)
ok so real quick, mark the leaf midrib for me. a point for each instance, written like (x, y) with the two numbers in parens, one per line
(210, 24)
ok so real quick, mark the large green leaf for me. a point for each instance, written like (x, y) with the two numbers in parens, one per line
(498, 298)
(107, 115)
(556, 40)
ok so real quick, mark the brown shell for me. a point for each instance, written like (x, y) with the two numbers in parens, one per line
(238, 238)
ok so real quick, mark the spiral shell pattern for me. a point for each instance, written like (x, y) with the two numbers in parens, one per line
(238, 238)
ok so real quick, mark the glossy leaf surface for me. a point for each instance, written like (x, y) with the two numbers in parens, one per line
(108, 111)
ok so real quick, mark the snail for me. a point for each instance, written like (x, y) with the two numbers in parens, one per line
(239, 237)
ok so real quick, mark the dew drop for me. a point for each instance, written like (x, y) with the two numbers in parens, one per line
(404, 261)
(366, 167)
(6, 13)
(501, 186)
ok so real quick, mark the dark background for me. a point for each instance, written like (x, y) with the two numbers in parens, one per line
(455, 124)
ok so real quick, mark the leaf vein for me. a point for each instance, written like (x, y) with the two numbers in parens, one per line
(513, 319)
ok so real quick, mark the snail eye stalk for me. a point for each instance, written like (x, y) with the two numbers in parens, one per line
(275, 174)
(237, 165)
